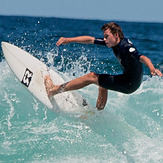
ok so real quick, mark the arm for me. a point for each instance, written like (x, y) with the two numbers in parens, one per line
(149, 64)
(80, 39)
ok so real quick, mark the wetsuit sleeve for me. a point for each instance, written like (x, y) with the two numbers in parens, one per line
(99, 41)
(132, 51)
(135, 53)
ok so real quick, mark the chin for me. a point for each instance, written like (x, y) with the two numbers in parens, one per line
(108, 46)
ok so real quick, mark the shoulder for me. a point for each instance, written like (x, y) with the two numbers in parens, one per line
(128, 46)
(130, 49)
(126, 43)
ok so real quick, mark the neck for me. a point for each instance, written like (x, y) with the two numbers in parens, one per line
(117, 41)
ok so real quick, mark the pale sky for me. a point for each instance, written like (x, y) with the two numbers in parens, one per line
(123, 10)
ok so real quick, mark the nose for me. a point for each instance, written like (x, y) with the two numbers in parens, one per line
(105, 40)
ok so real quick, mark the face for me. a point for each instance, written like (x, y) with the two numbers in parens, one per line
(110, 39)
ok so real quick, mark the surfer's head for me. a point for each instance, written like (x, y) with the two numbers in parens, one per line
(112, 34)
(114, 29)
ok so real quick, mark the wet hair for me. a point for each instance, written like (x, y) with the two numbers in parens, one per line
(114, 28)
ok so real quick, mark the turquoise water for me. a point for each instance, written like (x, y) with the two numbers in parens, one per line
(130, 129)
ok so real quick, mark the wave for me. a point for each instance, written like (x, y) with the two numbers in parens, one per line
(129, 129)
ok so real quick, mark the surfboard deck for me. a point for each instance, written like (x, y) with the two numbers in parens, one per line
(31, 73)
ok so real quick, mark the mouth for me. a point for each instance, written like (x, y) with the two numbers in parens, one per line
(107, 44)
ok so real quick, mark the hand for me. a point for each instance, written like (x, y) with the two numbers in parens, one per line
(62, 40)
(157, 72)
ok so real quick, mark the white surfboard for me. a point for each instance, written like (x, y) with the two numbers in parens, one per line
(31, 72)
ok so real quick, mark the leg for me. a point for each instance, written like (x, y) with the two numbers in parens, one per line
(102, 98)
(91, 78)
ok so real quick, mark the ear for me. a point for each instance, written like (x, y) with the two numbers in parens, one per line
(116, 35)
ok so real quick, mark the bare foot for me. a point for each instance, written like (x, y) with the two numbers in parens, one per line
(49, 85)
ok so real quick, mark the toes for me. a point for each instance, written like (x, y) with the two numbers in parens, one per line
(48, 85)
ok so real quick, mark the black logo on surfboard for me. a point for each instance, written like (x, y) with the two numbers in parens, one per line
(27, 77)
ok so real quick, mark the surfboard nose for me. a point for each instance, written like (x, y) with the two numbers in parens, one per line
(4, 44)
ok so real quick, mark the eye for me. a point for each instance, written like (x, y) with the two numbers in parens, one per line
(106, 36)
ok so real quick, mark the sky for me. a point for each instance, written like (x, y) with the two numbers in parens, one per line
(120, 10)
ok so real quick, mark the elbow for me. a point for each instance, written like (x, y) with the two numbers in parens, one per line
(144, 59)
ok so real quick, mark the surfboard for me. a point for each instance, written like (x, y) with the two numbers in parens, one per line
(31, 73)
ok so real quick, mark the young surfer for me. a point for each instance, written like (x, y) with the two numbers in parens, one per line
(129, 58)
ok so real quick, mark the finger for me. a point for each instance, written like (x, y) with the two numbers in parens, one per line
(59, 42)
(158, 72)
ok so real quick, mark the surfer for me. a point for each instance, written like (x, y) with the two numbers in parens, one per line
(127, 54)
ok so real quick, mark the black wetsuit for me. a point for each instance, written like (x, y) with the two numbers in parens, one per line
(128, 57)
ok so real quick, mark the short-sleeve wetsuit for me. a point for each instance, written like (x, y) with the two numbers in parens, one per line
(129, 59)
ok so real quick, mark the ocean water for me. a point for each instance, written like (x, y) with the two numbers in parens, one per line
(129, 130)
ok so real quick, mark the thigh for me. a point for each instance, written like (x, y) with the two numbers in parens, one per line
(118, 83)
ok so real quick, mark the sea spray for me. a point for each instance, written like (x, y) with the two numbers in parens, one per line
(130, 129)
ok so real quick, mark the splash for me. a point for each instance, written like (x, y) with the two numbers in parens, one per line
(130, 125)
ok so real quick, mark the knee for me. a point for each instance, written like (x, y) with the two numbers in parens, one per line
(92, 76)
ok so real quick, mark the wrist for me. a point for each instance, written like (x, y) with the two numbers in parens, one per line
(153, 72)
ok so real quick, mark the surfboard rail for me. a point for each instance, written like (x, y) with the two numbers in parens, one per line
(31, 72)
